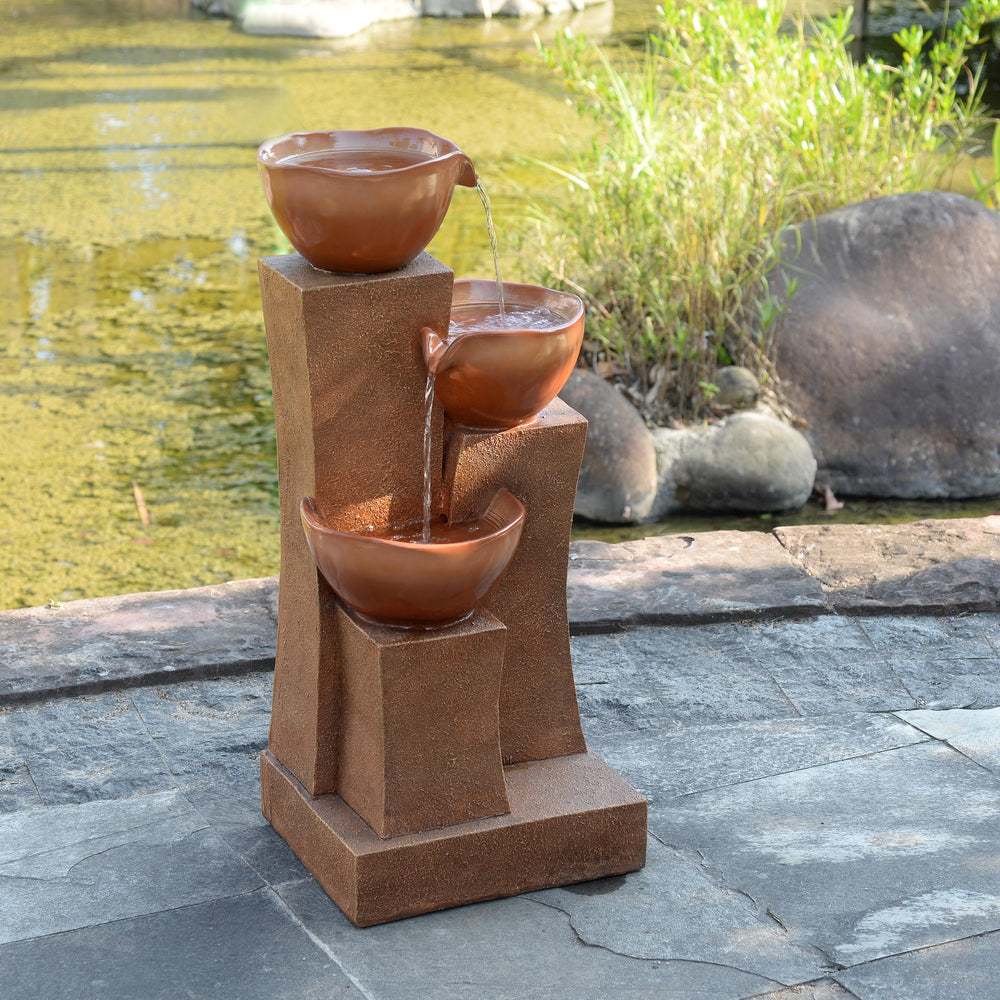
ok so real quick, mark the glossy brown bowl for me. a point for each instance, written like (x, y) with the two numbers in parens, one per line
(361, 202)
(501, 377)
(411, 584)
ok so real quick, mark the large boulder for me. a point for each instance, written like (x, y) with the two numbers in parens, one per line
(751, 462)
(618, 479)
(890, 350)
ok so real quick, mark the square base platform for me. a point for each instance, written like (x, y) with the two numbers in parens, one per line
(572, 819)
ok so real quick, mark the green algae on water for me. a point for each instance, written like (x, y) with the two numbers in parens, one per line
(132, 343)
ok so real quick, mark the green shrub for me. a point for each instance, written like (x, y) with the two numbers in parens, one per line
(731, 124)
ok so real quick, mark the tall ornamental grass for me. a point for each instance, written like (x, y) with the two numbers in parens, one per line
(731, 124)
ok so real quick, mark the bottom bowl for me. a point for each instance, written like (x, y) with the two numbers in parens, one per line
(395, 578)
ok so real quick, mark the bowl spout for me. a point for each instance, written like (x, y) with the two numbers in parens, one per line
(434, 348)
(467, 175)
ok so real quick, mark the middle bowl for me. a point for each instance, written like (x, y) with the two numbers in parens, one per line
(394, 581)
(493, 374)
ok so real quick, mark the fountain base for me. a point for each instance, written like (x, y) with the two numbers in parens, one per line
(571, 819)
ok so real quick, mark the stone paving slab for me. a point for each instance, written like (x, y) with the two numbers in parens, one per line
(973, 733)
(862, 857)
(111, 642)
(524, 947)
(959, 970)
(928, 567)
(245, 947)
(674, 579)
(67, 867)
(665, 764)
(829, 664)
(787, 839)
(942, 662)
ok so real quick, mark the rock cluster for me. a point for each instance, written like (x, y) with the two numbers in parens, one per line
(341, 18)
(750, 461)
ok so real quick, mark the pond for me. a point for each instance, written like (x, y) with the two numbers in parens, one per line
(135, 410)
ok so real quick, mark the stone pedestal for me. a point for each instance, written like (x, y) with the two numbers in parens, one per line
(571, 819)
(415, 770)
(420, 730)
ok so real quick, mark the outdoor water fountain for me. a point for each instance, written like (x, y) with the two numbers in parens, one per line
(425, 747)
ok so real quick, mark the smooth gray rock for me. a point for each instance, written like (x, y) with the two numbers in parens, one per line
(217, 8)
(503, 8)
(322, 18)
(749, 462)
(343, 18)
(244, 948)
(890, 348)
(618, 479)
(738, 386)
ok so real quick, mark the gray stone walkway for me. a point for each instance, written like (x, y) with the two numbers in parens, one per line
(824, 824)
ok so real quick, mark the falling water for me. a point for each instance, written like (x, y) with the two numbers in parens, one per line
(428, 410)
(492, 233)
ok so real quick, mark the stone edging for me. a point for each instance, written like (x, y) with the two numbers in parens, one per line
(929, 567)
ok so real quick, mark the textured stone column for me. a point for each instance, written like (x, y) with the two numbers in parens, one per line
(420, 736)
(348, 380)
(539, 463)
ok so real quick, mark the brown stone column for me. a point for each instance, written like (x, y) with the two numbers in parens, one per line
(420, 734)
(539, 463)
(348, 380)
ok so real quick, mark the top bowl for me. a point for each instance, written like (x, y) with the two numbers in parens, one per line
(493, 375)
(361, 202)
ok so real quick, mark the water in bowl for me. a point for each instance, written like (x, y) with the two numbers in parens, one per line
(437, 532)
(356, 161)
(482, 317)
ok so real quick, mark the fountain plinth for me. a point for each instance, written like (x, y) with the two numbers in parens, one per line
(413, 769)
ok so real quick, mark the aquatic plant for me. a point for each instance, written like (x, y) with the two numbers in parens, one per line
(731, 124)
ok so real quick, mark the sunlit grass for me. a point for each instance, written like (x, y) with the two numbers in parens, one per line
(729, 126)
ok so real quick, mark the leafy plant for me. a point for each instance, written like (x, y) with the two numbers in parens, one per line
(732, 124)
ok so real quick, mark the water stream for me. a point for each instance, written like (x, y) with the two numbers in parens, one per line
(492, 235)
(428, 456)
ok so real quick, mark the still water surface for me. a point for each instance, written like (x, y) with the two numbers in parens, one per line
(132, 354)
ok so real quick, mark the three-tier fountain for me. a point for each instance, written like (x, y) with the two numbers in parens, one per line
(425, 746)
